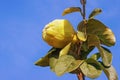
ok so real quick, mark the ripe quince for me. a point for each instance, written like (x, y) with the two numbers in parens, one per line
(58, 33)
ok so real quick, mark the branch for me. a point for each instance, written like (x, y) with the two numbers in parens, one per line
(83, 2)
(80, 76)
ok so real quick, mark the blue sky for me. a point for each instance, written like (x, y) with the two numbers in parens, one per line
(21, 44)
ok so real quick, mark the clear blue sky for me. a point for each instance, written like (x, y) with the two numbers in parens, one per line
(21, 44)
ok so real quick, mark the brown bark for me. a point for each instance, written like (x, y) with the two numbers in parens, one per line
(80, 76)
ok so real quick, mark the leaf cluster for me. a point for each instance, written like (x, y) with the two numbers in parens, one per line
(73, 58)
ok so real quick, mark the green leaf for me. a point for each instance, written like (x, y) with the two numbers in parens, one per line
(85, 50)
(71, 10)
(95, 12)
(53, 58)
(110, 72)
(106, 56)
(105, 34)
(63, 63)
(108, 37)
(81, 36)
(65, 50)
(82, 26)
(95, 56)
(74, 65)
(84, 46)
(45, 60)
(72, 50)
(93, 40)
(91, 68)
(104, 53)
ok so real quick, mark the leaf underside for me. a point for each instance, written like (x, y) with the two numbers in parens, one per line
(43, 62)
(71, 10)
(91, 68)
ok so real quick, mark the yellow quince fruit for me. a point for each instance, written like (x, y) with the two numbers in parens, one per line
(58, 33)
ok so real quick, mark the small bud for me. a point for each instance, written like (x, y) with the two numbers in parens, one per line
(58, 33)
(83, 2)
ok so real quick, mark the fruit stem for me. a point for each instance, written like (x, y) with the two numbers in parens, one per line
(80, 75)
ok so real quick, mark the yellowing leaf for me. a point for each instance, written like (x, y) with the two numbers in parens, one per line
(52, 63)
(91, 68)
(105, 35)
(80, 26)
(104, 53)
(106, 56)
(95, 56)
(111, 73)
(53, 58)
(71, 10)
(93, 40)
(95, 12)
(108, 37)
(81, 36)
(63, 63)
(45, 60)
(74, 65)
(65, 50)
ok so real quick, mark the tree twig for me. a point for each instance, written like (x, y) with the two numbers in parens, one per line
(83, 2)
(80, 75)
